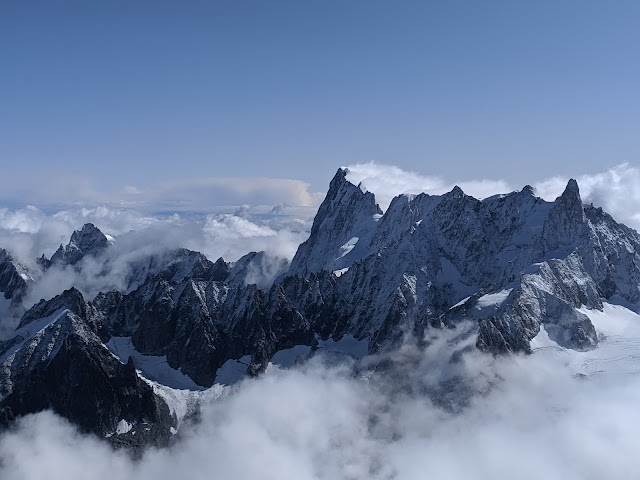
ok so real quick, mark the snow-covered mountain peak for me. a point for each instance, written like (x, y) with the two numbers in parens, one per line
(343, 202)
(14, 278)
(572, 189)
(570, 201)
(566, 221)
(456, 192)
(87, 241)
(71, 300)
(341, 229)
(56, 360)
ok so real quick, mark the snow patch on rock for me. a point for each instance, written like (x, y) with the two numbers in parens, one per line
(152, 367)
(233, 371)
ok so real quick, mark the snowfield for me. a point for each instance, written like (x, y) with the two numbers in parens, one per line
(618, 351)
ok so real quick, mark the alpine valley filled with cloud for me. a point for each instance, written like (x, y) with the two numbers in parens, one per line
(393, 326)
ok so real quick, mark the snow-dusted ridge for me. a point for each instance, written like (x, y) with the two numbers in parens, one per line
(519, 273)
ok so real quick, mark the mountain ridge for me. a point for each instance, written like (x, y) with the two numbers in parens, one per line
(511, 264)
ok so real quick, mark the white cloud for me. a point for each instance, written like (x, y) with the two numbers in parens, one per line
(387, 181)
(529, 418)
(28, 232)
(615, 190)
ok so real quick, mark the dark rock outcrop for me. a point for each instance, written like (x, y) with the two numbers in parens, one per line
(56, 361)
(87, 241)
(14, 278)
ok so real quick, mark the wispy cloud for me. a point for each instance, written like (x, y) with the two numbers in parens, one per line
(387, 181)
(615, 190)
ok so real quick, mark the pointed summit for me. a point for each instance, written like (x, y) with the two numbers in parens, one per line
(89, 238)
(456, 192)
(87, 241)
(571, 191)
(566, 220)
(528, 190)
(344, 200)
(70, 299)
(339, 178)
(571, 202)
(14, 278)
(346, 215)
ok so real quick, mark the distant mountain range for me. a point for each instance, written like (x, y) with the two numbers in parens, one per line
(363, 281)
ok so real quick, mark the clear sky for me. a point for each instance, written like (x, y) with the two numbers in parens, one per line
(137, 92)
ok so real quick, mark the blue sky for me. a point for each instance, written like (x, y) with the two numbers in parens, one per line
(126, 93)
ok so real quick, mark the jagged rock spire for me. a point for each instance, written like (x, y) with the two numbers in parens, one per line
(346, 213)
(87, 241)
(70, 299)
(566, 220)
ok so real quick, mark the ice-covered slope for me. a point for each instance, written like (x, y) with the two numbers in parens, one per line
(619, 348)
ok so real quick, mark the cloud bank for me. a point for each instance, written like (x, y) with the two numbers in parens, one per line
(29, 232)
(615, 190)
(387, 181)
(517, 417)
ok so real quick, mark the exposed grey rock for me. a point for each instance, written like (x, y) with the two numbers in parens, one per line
(510, 263)
(87, 241)
(56, 361)
(174, 266)
(566, 221)
(346, 214)
(14, 278)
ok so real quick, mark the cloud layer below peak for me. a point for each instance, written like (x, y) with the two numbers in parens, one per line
(529, 417)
